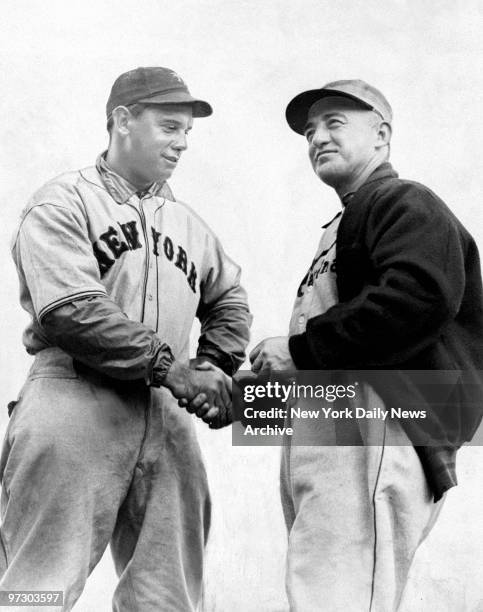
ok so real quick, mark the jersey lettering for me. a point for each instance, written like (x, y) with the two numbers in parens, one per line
(319, 266)
(192, 278)
(168, 248)
(103, 261)
(131, 234)
(182, 260)
(117, 246)
(111, 238)
(156, 236)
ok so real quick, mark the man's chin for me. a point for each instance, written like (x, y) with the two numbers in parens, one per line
(329, 176)
(161, 177)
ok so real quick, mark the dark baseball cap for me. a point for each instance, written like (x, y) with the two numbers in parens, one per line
(155, 85)
(368, 96)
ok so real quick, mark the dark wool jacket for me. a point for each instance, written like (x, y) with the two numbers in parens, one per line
(410, 299)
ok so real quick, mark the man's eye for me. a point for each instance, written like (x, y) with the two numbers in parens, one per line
(334, 123)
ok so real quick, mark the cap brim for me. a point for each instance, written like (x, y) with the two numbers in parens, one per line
(200, 107)
(298, 109)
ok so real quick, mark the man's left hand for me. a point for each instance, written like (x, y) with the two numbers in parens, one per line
(272, 354)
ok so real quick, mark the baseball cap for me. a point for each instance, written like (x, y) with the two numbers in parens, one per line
(368, 96)
(154, 85)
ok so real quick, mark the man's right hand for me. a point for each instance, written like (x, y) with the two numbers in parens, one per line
(204, 390)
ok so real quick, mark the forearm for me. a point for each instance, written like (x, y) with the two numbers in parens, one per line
(97, 333)
(224, 337)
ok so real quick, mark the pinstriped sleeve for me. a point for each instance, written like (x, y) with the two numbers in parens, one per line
(54, 257)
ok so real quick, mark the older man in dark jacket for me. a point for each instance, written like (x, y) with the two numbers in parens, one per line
(396, 287)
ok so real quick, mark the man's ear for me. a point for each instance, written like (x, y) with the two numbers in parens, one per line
(120, 118)
(384, 133)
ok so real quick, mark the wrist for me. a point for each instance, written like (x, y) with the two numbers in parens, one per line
(161, 365)
(217, 357)
(200, 361)
(175, 375)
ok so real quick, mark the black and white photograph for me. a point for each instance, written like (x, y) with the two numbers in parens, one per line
(242, 307)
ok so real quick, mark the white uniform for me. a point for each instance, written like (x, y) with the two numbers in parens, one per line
(89, 460)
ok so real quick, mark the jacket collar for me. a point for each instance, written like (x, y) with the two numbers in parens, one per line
(122, 190)
(384, 171)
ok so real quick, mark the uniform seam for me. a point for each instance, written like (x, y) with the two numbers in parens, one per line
(157, 269)
(84, 208)
(374, 514)
(142, 220)
(33, 207)
(288, 445)
(147, 423)
(3, 539)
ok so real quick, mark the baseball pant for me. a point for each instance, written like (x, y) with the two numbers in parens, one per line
(86, 463)
(355, 517)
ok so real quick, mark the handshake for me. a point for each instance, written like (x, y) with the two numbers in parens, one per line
(203, 389)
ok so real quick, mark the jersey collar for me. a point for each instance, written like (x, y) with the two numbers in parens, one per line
(121, 189)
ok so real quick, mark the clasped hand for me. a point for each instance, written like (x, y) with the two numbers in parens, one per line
(272, 354)
(203, 389)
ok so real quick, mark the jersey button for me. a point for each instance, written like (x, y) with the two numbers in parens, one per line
(150, 297)
(301, 319)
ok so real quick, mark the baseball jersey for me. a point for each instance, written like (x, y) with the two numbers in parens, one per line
(87, 234)
(318, 290)
(316, 294)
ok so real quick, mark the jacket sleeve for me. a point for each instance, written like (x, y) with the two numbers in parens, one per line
(95, 332)
(414, 284)
(223, 311)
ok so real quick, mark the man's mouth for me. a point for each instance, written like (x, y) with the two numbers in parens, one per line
(322, 153)
(171, 158)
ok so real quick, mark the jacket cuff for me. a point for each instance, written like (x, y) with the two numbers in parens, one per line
(161, 364)
(300, 352)
(218, 358)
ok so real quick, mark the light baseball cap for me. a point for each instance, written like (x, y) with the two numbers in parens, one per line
(368, 96)
(155, 85)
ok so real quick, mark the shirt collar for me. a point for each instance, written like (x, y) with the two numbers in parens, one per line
(347, 197)
(121, 189)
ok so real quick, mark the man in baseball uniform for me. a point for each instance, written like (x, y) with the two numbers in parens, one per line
(113, 270)
(395, 285)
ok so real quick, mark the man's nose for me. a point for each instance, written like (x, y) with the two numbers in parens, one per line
(181, 142)
(321, 135)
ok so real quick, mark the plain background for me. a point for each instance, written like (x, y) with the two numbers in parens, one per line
(248, 175)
